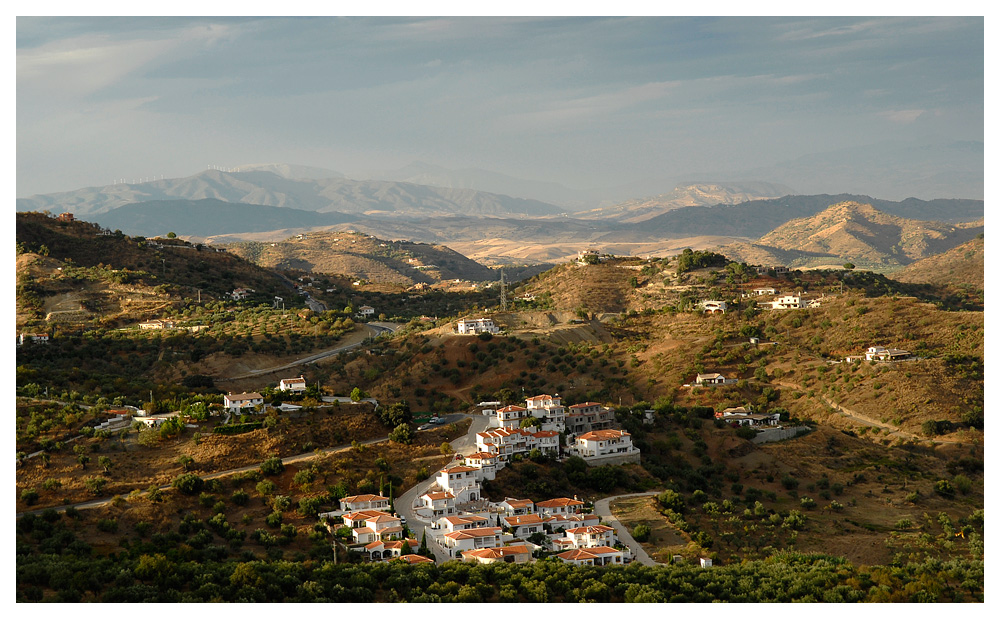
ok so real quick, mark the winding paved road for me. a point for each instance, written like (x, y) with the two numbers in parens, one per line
(602, 508)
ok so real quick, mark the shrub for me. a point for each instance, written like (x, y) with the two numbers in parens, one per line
(29, 496)
(944, 488)
(266, 487)
(962, 483)
(189, 483)
(807, 502)
(274, 519)
(641, 533)
(789, 482)
(402, 434)
(272, 466)
(240, 497)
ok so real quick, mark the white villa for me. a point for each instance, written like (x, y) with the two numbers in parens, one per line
(601, 555)
(461, 523)
(238, 402)
(360, 502)
(474, 326)
(505, 443)
(759, 292)
(372, 525)
(880, 353)
(556, 507)
(295, 385)
(713, 379)
(713, 307)
(592, 536)
(488, 463)
(157, 324)
(380, 550)
(746, 417)
(588, 416)
(600, 443)
(34, 338)
(471, 539)
(366, 311)
(238, 294)
(517, 507)
(518, 553)
(524, 526)
(789, 301)
(438, 503)
(462, 482)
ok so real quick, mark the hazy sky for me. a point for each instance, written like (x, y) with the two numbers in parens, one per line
(583, 102)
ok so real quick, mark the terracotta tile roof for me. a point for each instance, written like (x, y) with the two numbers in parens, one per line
(364, 514)
(540, 397)
(481, 455)
(437, 496)
(390, 530)
(585, 553)
(584, 405)
(359, 498)
(464, 519)
(373, 546)
(361, 530)
(518, 502)
(461, 469)
(546, 434)
(512, 408)
(239, 397)
(598, 528)
(382, 518)
(399, 543)
(561, 502)
(497, 553)
(414, 559)
(516, 521)
(602, 435)
(472, 533)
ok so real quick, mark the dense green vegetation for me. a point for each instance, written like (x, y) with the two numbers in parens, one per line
(54, 565)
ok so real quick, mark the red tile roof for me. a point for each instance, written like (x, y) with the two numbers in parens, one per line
(602, 435)
(561, 502)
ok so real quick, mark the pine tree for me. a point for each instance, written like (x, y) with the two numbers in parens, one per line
(424, 550)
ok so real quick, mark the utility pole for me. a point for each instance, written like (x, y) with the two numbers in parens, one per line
(503, 292)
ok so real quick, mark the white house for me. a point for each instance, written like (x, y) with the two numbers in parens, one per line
(462, 482)
(709, 306)
(374, 526)
(759, 292)
(438, 503)
(360, 502)
(746, 417)
(524, 526)
(571, 521)
(366, 311)
(487, 463)
(789, 301)
(34, 338)
(516, 507)
(415, 559)
(504, 442)
(385, 550)
(591, 536)
(470, 539)
(511, 416)
(603, 443)
(601, 555)
(550, 410)
(242, 402)
(238, 294)
(562, 506)
(518, 553)
(588, 416)
(156, 324)
(474, 326)
(460, 523)
(295, 385)
(713, 379)
(880, 353)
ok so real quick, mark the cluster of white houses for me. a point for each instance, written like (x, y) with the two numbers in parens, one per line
(587, 426)
(500, 536)
(788, 301)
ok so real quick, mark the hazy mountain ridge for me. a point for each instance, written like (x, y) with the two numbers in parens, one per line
(207, 217)
(687, 195)
(270, 189)
(963, 265)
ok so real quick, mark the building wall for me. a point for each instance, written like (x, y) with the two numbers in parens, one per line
(629, 458)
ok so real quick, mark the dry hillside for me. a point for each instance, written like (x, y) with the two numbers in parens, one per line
(960, 266)
(853, 232)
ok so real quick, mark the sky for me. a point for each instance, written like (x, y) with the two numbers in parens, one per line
(585, 102)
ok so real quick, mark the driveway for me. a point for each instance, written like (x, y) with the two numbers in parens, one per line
(602, 508)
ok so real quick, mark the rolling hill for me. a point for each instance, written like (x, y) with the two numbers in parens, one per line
(360, 256)
(688, 195)
(961, 266)
(853, 232)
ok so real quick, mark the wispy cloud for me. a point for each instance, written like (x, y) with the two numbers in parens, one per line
(902, 116)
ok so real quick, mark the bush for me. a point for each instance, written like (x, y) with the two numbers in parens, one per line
(189, 483)
(272, 466)
(266, 487)
(944, 488)
(746, 432)
(240, 497)
(962, 483)
(641, 533)
(789, 482)
(402, 434)
(29, 496)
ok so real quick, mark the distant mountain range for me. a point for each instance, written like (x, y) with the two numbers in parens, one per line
(268, 188)
(853, 232)
(963, 265)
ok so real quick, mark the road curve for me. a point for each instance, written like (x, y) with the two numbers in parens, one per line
(602, 508)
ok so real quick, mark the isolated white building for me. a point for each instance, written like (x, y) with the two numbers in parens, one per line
(242, 402)
(295, 385)
(474, 326)
(601, 443)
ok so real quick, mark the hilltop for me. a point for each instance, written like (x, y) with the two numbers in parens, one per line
(73, 271)
(853, 232)
(358, 255)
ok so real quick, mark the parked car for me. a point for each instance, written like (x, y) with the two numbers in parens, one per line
(435, 419)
